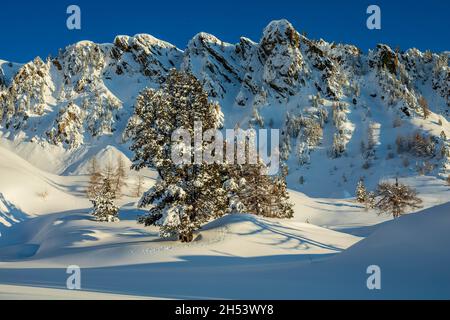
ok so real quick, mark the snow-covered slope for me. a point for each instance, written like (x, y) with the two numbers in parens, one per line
(60, 232)
(237, 257)
(320, 253)
(24, 188)
(412, 253)
(354, 104)
(343, 115)
(27, 192)
(7, 72)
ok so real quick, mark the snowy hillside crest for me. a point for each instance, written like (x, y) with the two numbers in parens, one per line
(327, 99)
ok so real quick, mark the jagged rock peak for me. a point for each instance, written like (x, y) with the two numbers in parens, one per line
(203, 38)
(281, 32)
(125, 42)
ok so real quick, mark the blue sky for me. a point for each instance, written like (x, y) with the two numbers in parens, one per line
(29, 29)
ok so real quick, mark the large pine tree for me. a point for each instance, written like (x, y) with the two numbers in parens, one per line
(186, 195)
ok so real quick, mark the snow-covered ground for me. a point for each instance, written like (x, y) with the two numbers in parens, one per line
(57, 114)
(323, 252)
(8, 292)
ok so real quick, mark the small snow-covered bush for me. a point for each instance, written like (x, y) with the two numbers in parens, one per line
(338, 146)
(104, 208)
(364, 196)
(361, 192)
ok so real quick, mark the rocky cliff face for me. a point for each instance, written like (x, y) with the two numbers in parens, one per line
(86, 94)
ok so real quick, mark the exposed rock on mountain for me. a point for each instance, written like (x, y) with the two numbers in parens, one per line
(331, 101)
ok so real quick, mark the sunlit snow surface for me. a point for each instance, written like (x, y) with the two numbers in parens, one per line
(320, 253)
(323, 252)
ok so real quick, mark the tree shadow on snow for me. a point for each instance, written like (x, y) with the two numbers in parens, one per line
(284, 233)
(9, 214)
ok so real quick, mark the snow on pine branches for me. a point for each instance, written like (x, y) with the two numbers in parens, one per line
(185, 196)
(104, 208)
(364, 196)
(190, 194)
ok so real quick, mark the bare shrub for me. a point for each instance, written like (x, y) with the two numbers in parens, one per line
(420, 145)
(396, 198)
(43, 195)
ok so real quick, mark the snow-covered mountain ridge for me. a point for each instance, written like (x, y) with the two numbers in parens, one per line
(341, 112)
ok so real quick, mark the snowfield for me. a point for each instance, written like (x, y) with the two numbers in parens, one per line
(343, 116)
(323, 252)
